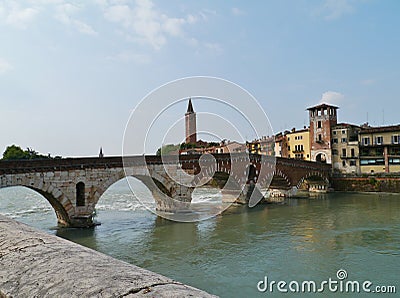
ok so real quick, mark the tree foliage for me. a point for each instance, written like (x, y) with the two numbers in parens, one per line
(15, 152)
(167, 149)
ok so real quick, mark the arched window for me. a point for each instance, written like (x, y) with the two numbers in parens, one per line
(80, 194)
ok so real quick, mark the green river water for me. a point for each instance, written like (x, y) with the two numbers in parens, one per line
(228, 255)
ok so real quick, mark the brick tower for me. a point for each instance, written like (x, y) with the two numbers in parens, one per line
(190, 124)
(322, 118)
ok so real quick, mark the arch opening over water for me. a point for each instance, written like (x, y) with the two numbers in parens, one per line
(28, 205)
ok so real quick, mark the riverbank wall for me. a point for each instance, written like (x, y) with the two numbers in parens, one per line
(367, 184)
(36, 264)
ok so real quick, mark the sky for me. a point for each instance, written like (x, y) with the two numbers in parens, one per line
(72, 72)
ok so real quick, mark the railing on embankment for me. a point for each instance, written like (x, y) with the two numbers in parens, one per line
(36, 264)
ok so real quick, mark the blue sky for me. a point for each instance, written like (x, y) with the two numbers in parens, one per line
(72, 71)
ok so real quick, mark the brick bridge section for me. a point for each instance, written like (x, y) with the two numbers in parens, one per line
(73, 186)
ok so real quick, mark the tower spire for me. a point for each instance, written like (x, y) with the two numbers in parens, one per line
(190, 107)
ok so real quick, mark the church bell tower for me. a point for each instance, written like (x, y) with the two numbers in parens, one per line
(190, 124)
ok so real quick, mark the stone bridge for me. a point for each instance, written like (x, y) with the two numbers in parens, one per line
(73, 186)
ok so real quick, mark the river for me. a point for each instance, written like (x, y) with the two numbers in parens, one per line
(303, 239)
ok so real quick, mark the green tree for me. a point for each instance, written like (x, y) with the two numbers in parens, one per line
(15, 152)
(167, 149)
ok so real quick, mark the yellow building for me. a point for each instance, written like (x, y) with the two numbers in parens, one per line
(298, 144)
(380, 149)
(264, 146)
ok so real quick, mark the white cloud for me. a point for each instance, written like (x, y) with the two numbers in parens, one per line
(18, 16)
(4, 66)
(334, 9)
(331, 97)
(146, 23)
(191, 19)
(65, 12)
(237, 12)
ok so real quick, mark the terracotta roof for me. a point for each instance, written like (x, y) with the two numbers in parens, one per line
(345, 125)
(322, 105)
(298, 131)
(381, 129)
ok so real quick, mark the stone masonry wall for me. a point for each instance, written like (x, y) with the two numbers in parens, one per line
(36, 264)
(366, 184)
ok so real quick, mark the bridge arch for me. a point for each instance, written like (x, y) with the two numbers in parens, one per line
(280, 174)
(63, 217)
(164, 188)
(314, 174)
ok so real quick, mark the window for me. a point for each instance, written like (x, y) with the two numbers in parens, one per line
(353, 153)
(353, 163)
(288, 148)
(319, 113)
(325, 112)
(373, 162)
(319, 124)
(365, 141)
(344, 140)
(343, 132)
(288, 138)
(395, 139)
(334, 132)
(379, 140)
(80, 194)
(394, 161)
(334, 152)
(334, 141)
(344, 163)
(344, 152)
(320, 137)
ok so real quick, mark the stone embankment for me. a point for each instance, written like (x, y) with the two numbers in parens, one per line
(36, 264)
(367, 184)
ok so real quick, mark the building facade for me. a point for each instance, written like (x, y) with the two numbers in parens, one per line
(190, 124)
(264, 146)
(322, 118)
(280, 145)
(379, 149)
(345, 148)
(298, 144)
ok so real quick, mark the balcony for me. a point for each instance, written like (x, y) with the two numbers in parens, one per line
(349, 156)
(298, 151)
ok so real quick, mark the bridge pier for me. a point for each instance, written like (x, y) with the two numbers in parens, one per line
(178, 202)
(81, 222)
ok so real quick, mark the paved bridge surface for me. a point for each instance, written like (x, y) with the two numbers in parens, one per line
(73, 186)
